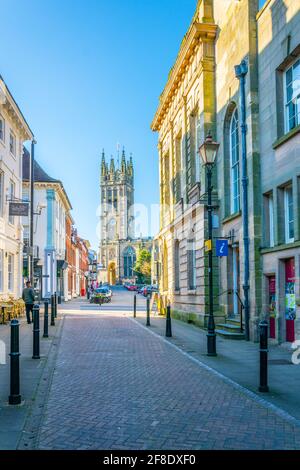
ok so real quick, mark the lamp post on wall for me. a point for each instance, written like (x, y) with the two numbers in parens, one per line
(208, 151)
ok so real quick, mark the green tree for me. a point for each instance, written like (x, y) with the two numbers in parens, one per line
(143, 266)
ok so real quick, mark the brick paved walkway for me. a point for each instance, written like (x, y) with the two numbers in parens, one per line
(116, 386)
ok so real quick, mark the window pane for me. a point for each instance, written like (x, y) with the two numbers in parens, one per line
(289, 76)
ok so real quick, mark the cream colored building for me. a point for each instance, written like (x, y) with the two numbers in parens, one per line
(185, 114)
(14, 131)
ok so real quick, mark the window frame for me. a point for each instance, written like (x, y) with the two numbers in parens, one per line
(2, 139)
(13, 135)
(287, 222)
(287, 129)
(177, 265)
(11, 218)
(10, 273)
(192, 278)
(234, 166)
(271, 220)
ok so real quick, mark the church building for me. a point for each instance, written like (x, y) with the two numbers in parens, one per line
(118, 245)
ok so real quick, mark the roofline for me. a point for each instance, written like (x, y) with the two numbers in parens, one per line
(197, 31)
(22, 115)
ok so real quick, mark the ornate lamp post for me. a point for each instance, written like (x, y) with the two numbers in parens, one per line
(208, 151)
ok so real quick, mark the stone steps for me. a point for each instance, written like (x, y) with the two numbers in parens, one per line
(231, 329)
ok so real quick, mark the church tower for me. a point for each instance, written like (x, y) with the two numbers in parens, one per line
(116, 199)
(116, 214)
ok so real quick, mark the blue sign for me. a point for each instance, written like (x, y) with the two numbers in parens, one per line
(222, 247)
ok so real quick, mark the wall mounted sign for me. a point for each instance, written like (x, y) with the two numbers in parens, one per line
(18, 209)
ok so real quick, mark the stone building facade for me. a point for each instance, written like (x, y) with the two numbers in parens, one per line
(119, 247)
(185, 114)
(203, 93)
(279, 120)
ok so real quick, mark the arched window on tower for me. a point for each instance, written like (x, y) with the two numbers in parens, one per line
(129, 259)
(112, 229)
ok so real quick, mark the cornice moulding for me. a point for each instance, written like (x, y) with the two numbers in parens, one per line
(204, 31)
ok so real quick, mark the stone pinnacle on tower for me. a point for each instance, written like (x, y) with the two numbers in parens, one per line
(103, 164)
(123, 162)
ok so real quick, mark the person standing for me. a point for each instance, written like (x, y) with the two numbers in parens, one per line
(28, 297)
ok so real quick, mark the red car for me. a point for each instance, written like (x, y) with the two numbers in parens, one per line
(132, 287)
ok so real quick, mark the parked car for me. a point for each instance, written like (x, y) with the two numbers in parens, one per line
(132, 287)
(101, 295)
(149, 290)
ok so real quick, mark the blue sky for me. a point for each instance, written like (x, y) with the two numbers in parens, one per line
(87, 75)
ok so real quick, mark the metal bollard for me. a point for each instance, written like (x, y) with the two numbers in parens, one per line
(168, 323)
(263, 351)
(36, 332)
(14, 397)
(148, 310)
(52, 311)
(134, 306)
(46, 315)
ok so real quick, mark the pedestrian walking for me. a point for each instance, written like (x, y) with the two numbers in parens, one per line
(28, 297)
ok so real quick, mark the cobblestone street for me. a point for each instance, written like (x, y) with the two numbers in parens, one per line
(118, 386)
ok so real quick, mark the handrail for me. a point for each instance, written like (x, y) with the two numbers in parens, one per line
(241, 311)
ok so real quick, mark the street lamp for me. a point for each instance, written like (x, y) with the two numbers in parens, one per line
(208, 151)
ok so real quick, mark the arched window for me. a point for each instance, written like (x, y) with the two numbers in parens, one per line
(234, 163)
(129, 258)
(111, 229)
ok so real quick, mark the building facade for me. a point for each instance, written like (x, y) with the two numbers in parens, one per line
(279, 120)
(70, 271)
(14, 131)
(51, 204)
(118, 246)
(203, 93)
(185, 114)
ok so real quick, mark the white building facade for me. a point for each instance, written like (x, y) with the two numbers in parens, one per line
(51, 204)
(14, 131)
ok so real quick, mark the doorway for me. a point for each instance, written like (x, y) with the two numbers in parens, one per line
(112, 274)
(290, 300)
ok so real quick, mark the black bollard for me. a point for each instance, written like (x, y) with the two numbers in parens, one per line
(148, 310)
(14, 397)
(168, 323)
(46, 310)
(55, 304)
(36, 332)
(263, 351)
(134, 306)
(52, 311)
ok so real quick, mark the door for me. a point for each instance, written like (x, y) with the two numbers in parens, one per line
(290, 300)
(235, 278)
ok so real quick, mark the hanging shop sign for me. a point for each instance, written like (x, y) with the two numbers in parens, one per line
(18, 209)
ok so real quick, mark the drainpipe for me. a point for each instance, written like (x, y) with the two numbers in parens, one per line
(241, 71)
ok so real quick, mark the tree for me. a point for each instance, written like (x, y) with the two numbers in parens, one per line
(143, 266)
